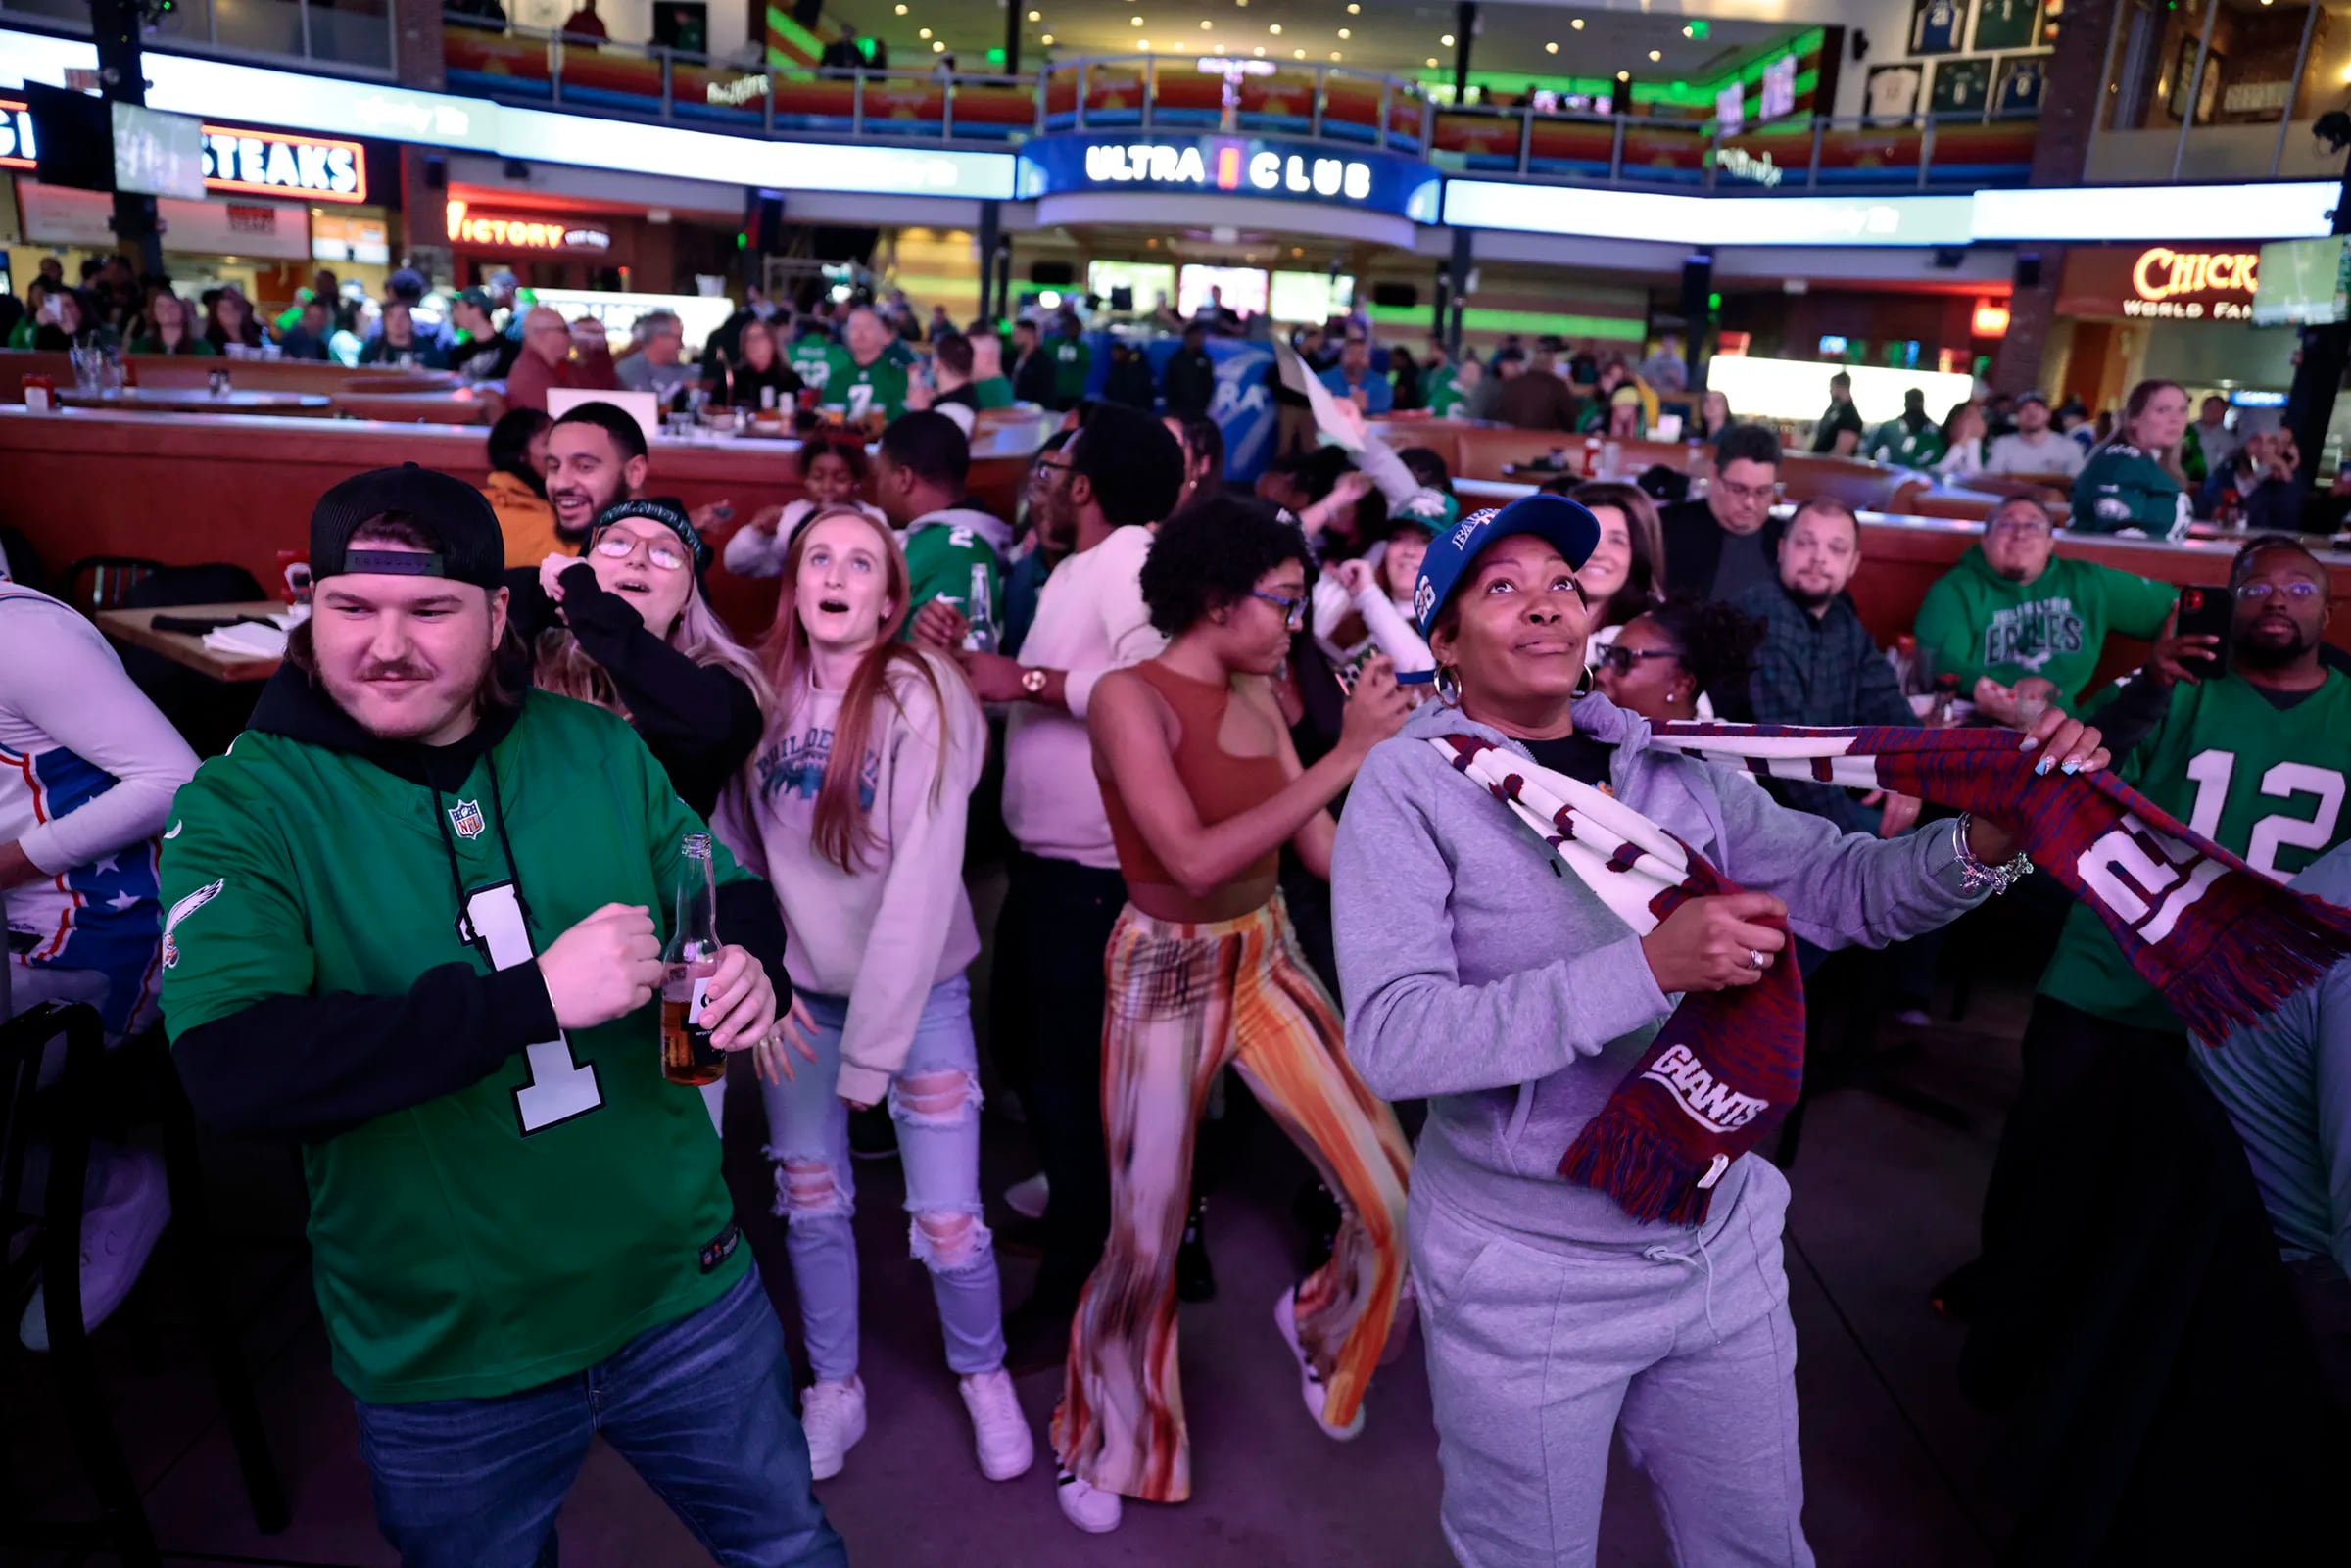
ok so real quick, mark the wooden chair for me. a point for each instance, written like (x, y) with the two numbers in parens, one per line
(62, 1115)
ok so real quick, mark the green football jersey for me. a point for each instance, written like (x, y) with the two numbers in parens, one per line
(816, 359)
(528, 1226)
(2265, 782)
(884, 381)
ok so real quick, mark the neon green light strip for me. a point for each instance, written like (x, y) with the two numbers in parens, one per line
(1527, 323)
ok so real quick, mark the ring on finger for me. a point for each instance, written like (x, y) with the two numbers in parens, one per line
(1756, 958)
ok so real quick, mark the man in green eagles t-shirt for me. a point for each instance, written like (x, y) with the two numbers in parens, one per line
(2257, 760)
(416, 924)
(1910, 438)
(2015, 623)
(1073, 363)
(864, 375)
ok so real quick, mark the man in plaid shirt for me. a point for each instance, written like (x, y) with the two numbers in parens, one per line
(1818, 665)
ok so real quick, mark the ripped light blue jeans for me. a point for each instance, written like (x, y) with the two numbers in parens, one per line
(935, 1100)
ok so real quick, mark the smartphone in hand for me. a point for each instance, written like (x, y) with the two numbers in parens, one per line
(2209, 612)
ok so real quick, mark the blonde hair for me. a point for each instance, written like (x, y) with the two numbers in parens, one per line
(562, 666)
(841, 833)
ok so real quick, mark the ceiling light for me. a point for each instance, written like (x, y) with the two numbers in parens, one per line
(1144, 44)
(1654, 55)
(1297, 54)
(1036, 16)
(1551, 48)
(901, 10)
(938, 46)
(1355, 10)
(1134, 22)
(1205, 25)
(1689, 32)
(1577, 23)
(1046, 39)
(925, 33)
(1432, 62)
(1276, 29)
(1259, 51)
(1334, 54)
(1219, 49)
(1346, 32)
(1625, 75)
(1447, 40)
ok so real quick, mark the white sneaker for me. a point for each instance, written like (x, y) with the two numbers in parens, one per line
(832, 1414)
(1286, 1318)
(1028, 1198)
(118, 1233)
(1091, 1509)
(998, 1428)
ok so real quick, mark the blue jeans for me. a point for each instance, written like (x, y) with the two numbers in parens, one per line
(701, 1407)
(935, 1100)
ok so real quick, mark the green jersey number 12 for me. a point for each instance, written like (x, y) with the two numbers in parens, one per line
(2276, 831)
(558, 1087)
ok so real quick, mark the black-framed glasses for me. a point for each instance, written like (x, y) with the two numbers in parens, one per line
(1621, 659)
(1293, 610)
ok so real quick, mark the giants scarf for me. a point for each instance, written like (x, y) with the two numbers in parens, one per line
(2223, 943)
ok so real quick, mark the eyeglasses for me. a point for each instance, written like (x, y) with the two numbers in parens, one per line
(617, 547)
(2023, 528)
(1764, 493)
(1293, 610)
(1621, 659)
(1050, 465)
(2301, 590)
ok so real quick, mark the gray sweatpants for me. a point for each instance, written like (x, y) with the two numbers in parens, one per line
(1537, 1355)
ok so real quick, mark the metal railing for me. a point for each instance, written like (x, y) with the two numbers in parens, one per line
(354, 36)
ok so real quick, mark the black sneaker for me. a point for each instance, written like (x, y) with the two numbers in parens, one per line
(873, 1135)
(1195, 1280)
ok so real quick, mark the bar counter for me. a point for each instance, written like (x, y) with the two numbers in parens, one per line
(192, 488)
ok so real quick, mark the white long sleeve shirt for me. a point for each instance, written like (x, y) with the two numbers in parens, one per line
(1090, 620)
(87, 772)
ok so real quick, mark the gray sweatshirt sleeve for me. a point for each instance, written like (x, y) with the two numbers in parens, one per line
(1414, 1028)
(1840, 889)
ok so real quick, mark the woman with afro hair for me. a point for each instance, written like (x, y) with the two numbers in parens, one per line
(1203, 787)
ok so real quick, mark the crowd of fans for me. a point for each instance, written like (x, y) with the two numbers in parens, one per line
(1168, 706)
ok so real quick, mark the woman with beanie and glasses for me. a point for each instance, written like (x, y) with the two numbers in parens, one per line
(1516, 979)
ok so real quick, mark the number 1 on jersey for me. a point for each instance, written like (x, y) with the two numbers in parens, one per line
(558, 1087)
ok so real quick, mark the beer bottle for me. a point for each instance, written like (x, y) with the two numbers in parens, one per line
(980, 616)
(687, 1055)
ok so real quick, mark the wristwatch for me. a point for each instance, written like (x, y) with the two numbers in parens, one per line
(1033, 682)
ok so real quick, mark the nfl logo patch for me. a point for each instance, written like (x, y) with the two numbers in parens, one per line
(467, 817)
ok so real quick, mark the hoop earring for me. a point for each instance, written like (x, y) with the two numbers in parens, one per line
(1448, 686)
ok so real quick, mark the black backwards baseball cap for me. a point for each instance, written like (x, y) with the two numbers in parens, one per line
(1561, 522)
(472, 549)
(669, 513)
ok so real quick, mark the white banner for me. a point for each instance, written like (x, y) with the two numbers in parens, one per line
(278, 231)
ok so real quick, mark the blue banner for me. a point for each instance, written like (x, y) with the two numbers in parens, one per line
(1270, 166)
(1242, 407)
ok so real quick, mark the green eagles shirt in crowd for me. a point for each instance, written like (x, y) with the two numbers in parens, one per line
(1073, 362)
(992, 392)
(1438, 391)
(815, 359)
(827, 367)
(2120, 487)
(2264, 781)
(940, 557)
(1897, 442)
(529, 1226)
(1978, 623)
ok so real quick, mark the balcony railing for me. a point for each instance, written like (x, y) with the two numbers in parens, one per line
(354, 36)
(1173, 93)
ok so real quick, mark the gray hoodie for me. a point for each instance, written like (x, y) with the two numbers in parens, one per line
(1479, 971)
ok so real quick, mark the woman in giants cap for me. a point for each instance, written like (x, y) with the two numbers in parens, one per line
(1515, 997)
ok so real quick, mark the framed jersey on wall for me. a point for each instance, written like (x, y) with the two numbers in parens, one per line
(2017, 86)
(1935, 25)
(1892, 92)
(2006, 24)
(1961, 87)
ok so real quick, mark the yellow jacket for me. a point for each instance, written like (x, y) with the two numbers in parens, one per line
(526, 520)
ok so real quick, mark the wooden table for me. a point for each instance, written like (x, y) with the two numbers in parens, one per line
(137, 628)
(184, 400)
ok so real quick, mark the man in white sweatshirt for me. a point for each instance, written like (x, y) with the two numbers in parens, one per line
(88, 771)
(1117, 477)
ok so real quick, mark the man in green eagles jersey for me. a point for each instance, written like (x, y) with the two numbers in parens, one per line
(862, 377)
(2256, 759)
(416, 924)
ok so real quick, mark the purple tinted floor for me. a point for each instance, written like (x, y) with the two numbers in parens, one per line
(1886, 1200)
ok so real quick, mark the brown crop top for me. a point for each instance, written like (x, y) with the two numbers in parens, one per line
(1220, 784)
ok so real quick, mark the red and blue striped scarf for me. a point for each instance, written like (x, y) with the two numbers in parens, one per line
(2221, 942)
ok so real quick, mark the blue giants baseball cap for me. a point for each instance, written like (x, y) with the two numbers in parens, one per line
(1561, 522)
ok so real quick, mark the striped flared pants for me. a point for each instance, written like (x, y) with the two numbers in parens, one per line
(1184, 1000)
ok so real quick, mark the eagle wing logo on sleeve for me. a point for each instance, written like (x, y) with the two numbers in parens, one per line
(182, 911)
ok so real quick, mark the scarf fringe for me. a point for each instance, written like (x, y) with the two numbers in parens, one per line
(2257, 963)
(1650, 1178)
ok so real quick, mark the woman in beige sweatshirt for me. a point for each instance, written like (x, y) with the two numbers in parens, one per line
(854, 807)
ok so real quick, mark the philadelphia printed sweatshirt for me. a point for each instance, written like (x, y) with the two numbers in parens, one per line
(883, 934)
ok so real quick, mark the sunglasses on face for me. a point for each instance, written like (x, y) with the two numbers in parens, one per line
(617, 547)
(1623, 660)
